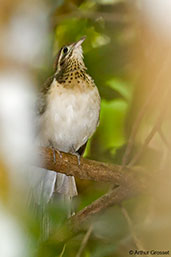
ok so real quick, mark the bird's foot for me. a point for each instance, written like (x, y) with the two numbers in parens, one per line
(78, 157)
(54, 154)
(59, 153)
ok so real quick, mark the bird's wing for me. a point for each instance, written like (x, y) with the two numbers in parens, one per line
(41, 101)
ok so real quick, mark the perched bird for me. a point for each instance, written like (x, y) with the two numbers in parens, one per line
(69, 110)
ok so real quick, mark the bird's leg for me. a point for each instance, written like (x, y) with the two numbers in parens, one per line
(59, 153)
(73, 152)
(54, 155)
(78, 157)
(54, 152)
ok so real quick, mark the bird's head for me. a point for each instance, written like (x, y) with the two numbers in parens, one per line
(68, 53)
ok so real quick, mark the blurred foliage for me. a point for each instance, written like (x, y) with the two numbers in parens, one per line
(108, 52)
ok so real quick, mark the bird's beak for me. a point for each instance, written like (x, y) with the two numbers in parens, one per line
(79, 42)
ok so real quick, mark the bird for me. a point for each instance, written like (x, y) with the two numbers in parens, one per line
(68, 111)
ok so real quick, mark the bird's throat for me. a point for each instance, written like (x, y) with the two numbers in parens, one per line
(73, 74)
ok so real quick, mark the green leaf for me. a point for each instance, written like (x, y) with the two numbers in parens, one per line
(111, 130)
(122, 87)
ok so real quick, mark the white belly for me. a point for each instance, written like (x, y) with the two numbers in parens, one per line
(70, 118)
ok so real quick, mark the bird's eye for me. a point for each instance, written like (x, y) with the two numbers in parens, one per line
(65, 50)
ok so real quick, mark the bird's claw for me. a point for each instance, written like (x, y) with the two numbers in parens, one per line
(59, 153)
(78, 157)
(54, 154)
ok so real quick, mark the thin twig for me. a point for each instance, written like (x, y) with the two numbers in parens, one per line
(142, 149)
(142, 112)
(153, 131)
(164, 138)
(131, 228)
(85, 240)
(166, 152)
(63, 250)
(136, 126)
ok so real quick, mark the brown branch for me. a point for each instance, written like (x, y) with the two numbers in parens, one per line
(76, 223)
(88, 169)
(116, 196)
(129, 181)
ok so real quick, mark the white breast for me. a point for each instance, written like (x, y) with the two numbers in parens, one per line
(70, 118)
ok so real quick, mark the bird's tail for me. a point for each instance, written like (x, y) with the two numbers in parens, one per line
(65, 185)
(63, 190)
(67, 189)
(52, 186)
